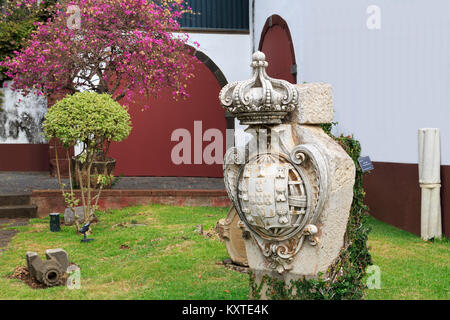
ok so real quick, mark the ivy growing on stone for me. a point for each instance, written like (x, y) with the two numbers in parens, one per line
(345, 278)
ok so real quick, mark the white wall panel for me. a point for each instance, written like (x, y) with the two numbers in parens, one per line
(387, 82)
(230, 52)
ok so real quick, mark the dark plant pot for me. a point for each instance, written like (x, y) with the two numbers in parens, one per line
(55, 224)
(105, 167)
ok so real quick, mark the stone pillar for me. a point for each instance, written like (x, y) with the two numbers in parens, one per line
(430, 183)
(292, 185)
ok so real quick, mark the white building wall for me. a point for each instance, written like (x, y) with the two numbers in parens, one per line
(387, 82)
(230, 52)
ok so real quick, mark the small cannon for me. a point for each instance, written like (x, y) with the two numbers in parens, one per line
(50, 271)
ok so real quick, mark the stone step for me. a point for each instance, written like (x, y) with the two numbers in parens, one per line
(21, 211)
(14, 199)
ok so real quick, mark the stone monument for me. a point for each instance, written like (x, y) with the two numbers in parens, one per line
(292, 184)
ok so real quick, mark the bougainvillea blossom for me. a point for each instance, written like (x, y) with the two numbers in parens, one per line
(126, 48)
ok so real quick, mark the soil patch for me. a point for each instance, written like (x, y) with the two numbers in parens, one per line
(21, 273)
(7, 234)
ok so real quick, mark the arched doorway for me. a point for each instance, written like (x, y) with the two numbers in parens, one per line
(149, 149)
(276, 43)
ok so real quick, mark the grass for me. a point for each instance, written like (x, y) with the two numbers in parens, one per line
(168, 259)
(410, 267)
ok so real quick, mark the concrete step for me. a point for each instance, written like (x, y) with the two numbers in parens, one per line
(14, 199)
(21, 211)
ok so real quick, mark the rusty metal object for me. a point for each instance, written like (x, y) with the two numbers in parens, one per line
(50, 271)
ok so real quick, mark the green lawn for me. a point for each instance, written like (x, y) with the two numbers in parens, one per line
(168, 259)
(410, 267)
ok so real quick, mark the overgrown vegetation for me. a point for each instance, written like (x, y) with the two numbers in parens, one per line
(345, 278)
(16, 25)
(126, 48)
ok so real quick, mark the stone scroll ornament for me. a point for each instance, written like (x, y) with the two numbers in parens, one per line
(278, 191)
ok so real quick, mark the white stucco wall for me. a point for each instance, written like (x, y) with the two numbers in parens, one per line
(229, 52)
(387, 82)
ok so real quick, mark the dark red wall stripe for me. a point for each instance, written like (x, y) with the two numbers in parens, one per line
(24, 157)
(393, 195)
(445, 200)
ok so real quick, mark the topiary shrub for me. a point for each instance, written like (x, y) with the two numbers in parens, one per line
(90, 118)
(345, 278)
(94, 120)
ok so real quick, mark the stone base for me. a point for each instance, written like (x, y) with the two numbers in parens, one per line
(228, 263)
(230, 231)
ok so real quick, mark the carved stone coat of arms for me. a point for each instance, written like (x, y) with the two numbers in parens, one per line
(278, 198)
(291, 185)
(278, 192)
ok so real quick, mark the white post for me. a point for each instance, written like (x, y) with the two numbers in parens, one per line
(430, 183)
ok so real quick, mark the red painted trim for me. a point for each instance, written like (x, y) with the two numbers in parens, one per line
(141, 193)
(276, 20)
(51, 200)
(445, 200)
(215, 120)
(24, 157)
(393, 195)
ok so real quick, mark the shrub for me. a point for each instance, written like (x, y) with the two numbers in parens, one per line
(90, 118)
(126, 48)
(94, 120)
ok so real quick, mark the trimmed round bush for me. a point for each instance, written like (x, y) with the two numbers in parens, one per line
(87, 117)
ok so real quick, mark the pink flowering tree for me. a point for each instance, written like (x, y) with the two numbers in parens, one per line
(125, 48)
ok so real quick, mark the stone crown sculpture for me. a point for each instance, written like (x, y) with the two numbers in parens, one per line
(261, 99)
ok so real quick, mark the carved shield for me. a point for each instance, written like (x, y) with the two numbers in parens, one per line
(272, 195)
(278, 198)
(263, 195)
